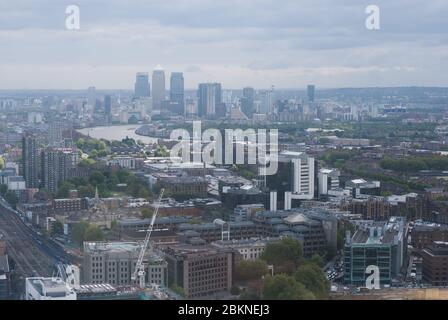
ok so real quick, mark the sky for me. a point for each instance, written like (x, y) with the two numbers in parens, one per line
(258, 43)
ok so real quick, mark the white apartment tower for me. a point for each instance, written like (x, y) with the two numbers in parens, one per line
(303, 169)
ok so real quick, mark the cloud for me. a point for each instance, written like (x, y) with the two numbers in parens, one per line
(287, 43)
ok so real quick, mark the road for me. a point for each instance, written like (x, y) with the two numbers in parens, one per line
(32, 255)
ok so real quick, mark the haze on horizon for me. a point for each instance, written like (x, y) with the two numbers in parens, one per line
(259, 43)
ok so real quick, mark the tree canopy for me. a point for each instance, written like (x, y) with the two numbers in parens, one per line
(285, 255)
(283, 287)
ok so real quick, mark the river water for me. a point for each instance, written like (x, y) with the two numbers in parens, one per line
(116, 133)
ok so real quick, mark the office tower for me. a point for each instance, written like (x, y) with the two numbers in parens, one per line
(177, 88)
(108, 108)
(328, 179)
(30, 161)
(91, 96)
(227, 97)
(209, 96)
(295, 174)
(56, 165)
(142, 87)
(266, 101)
(247, 102)
(158, 87)
(310, 92)
(55, 134)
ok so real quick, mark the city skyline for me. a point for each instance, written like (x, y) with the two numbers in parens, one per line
(260, 45)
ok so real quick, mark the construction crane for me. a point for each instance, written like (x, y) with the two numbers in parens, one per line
(139, 267)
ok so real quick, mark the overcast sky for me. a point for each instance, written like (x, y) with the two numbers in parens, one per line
(259, 43)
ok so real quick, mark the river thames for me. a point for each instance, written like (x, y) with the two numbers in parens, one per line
(116, 133)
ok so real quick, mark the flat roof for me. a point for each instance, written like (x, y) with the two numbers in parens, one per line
(111, 246)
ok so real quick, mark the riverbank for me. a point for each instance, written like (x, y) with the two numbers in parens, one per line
(117, 133)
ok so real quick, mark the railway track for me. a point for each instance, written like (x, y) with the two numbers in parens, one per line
(29, 258)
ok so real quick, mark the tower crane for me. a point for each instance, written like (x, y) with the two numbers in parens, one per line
(139, 267)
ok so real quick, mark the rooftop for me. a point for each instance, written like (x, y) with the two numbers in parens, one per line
(112, 247)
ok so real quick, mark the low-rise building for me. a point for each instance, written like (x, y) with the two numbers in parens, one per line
(114, 263)
(39, 288)
(247, 249)
(201, 271)
(435, 264)
(424, 235)
(375, 244)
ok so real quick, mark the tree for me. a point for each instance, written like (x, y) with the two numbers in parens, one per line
(3, 189)
(161, 151)
(178, 290)
(96, 178)
(246, 270)
(285, 255)
(86, 191)
(64, 190)
(2, 163)
(87, 163)
(317, 260)
(313, 278)
(57, 228)
(283, 287)
(146, 213)
(11, 198)
(93, 233)
(79, 231)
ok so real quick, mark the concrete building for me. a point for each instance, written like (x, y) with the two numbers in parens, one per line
(114, 263)
(177, 88)
(247, 249)
(378, 244)
(301, 173)
(360, 187)
(435, 264)
(142, 87)
(209, 97)
(423, 235)
(30, 160)
(328, 179)
(316, 228)
(39, 288)
(56, 165)
(201, 271)
(158, 87)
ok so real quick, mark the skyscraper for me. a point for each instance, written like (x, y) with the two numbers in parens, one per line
(209, 96)
(266, 101)
(247, 102)
(55, 133)
(30, 161)
(158, 87)
(177, 87)
(310, 92)
(142, 87)
(91, 96)
(108, 108)
(56, 164)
